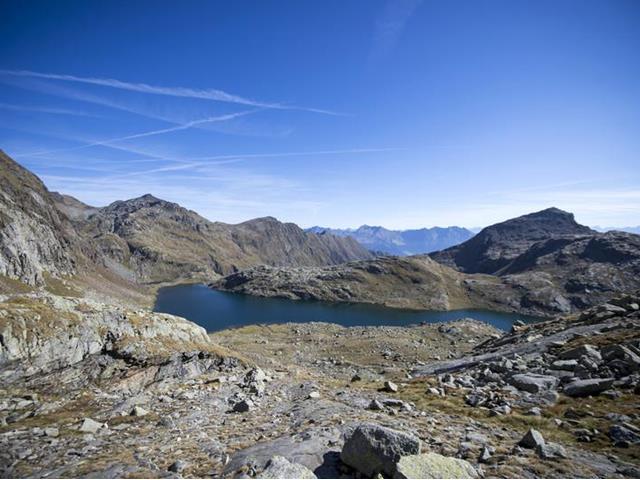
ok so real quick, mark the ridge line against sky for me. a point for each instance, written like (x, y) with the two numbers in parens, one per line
(428, 113)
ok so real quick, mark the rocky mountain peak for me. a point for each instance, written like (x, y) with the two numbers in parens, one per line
(495, 246)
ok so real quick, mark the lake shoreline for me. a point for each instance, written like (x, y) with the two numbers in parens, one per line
(217, 310)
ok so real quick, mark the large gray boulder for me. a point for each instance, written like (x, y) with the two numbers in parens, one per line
(280, 467)
(582, 351)
(433, 465)
(317, 449)
(591, 386)
(372, 449)
(549, 451)
(533, 382)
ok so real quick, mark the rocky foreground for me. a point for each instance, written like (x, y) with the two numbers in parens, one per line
(96, 391)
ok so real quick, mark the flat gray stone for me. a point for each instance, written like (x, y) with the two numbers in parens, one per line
(591, 386)
(89, 425)
(433, 465)
(280, 467)
(548, 451)
(532, 382)
(582, 351)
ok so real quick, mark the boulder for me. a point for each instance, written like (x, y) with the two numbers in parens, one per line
(255, 375)
(591, 386)
(433, 465)
(390, 387)
(623, 354)
(564, 365)
(548, 451)
(280, 467)
(243, 406)
(51, 432)
(138, 411)
(581, 351)
(532, 439)
(89, 425)
(623, 436)
(318, 449)
(532, 382)
(372, 449)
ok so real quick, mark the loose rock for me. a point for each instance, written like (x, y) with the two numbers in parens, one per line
(372, 449)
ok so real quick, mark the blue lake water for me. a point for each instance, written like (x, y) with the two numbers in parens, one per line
(216, 310)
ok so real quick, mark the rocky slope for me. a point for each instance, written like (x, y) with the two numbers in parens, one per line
(410, 282)
(35, 238)
(578, 272)
(156, 241)
(495, 246)
(401, 242)
(341, 404)
(72, 207)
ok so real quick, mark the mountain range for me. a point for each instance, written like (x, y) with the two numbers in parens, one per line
(542, 263)
(635, 230)
(144, 240)
(401, 242)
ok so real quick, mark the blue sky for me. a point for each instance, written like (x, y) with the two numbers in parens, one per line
(337, 113)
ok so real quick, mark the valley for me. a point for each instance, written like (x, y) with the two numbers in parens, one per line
(96, 384)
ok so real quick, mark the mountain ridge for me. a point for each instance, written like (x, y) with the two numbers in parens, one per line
(542, 264)
(401, 242)
(494, 246)
(146, 240)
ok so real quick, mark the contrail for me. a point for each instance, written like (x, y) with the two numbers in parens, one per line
(206, 94)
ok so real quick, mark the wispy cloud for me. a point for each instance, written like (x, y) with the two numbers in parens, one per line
(186, 92)
(38, 109)
(390, 25)
(161, 131)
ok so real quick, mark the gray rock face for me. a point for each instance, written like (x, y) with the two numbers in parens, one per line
(372, 449)
(532, 439)
(280, 467)
(433, 465)
(567, 365)
(314, 449)
(89, 425)
(70, 336)
(582, 351)
(533, 383)
(621, 435)
(584, 388)
(35, 238)
(548, 451)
